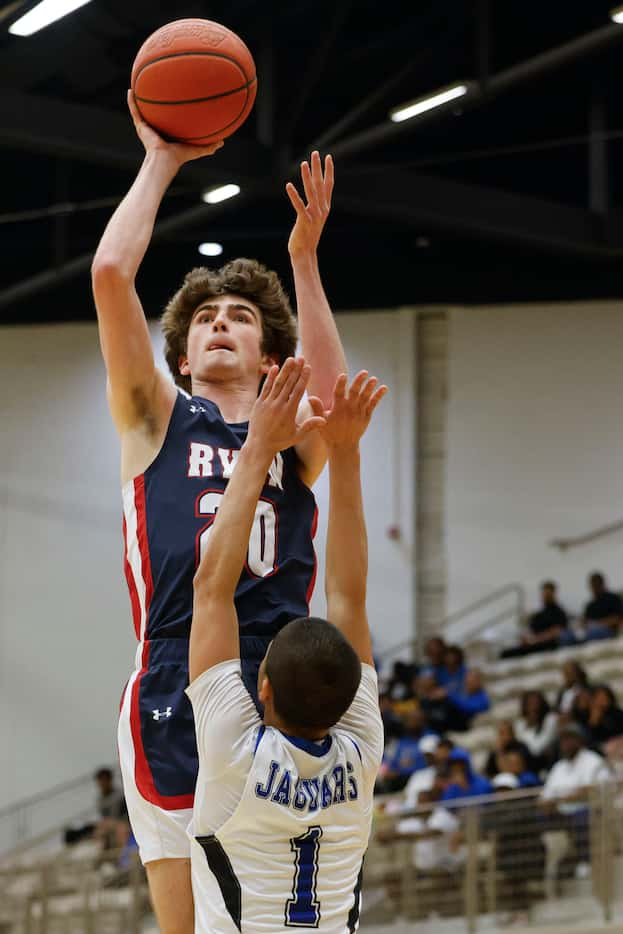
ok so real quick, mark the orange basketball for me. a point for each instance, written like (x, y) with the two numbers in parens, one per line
(194, 81)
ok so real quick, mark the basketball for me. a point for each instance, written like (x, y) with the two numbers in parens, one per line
(194, 81)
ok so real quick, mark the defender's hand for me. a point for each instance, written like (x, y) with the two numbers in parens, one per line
(152, 141)
(310, 217)
(272, 424)
(352, 410)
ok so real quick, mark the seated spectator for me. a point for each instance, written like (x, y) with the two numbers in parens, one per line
(112, 827)
(605, 718)
(424, 779)
(565, 793)
(401, 678)
(544, 628)
(537, 728)
(434, 665)
(463, 782)
(405, 758)
(505, 739)
(467, 702)
(604, 613)
(574, 678)
(452, 675)
(515, 763)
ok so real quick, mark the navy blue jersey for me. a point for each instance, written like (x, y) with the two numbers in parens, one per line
(168, 512)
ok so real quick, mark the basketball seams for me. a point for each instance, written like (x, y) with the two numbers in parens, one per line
(209, 54)
(198, 100)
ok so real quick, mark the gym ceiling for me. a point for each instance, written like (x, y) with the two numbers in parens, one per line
(511, 193)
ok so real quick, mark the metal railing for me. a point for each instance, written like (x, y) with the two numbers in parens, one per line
(461, 626)
(42, 813)
(505, 856)
(572, 542)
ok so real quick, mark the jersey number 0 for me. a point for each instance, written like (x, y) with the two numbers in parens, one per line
(262, 553)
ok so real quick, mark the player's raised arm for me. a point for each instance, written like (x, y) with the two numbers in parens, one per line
(320, 340)
(272, 428)
(347, 545)
(133, 379)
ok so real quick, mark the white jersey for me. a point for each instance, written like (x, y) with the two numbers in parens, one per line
(280, 825)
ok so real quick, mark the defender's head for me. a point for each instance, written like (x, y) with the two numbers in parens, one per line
(308, 677)
(243, 308)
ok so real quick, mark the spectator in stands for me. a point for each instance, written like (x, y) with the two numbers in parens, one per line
(604, 613)
(424, 779)
(406, 758)
(545, 628)
(565, 793)
(399, 686)
(462, 781)
(464, 704)
(515, 762)
(574, 679)
(537, 728)
(453, 675)
(435, 653)
(505, 738)
(112, 827)
(605, 717)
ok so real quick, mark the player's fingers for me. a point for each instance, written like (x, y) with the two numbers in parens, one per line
(269, 382)
(317, 179)
(310, 424)
(357, 384)
(339, 390)
(134, 112)
(366, 393)
(283, 376)
(329, 178)
(298, 387)
(307, 182)
(291, 379)
(376, 398)
(316, 406)
(295, 199)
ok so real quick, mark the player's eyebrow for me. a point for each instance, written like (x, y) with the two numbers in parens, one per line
(236, 306)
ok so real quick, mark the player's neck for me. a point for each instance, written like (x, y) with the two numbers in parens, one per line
(234, 399)
(273, 719)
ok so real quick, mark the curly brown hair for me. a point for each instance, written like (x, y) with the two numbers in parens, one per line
(246, 277)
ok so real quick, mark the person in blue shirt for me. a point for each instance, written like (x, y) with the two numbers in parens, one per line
(463, 782)
(406, 756)
(454, 670)
(468, 701)
(515, 763)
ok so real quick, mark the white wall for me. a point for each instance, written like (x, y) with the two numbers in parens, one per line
(66, 639)
(535, 447)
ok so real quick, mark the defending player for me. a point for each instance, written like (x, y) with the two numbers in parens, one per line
(283, 808)
(223, 331)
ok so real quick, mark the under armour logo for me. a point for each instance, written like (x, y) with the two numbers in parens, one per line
(197, 408)
(162, 714)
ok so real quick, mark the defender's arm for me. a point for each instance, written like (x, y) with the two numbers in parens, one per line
(272, 428)
(347, 544)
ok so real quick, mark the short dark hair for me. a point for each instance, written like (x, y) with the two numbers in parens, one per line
(103, 772)
(314, 673)
(597, 578)
(549, 585)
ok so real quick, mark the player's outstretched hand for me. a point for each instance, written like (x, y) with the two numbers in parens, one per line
(310, 217)
(272, 423)
(151, 140)
(352, 410)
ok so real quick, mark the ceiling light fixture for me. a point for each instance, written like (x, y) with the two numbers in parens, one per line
(44, 13)
(420, 106)
(616, 15)
(222, 193)
(210, 249)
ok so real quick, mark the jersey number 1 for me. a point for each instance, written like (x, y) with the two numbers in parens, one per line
(303, 909)
(262, 553)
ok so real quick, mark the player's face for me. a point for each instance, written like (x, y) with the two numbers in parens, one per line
(225, 341)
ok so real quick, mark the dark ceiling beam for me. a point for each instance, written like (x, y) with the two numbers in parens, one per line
(56, 128)
(58, 275)
(496, 85)
(315, 67)
(427, 202)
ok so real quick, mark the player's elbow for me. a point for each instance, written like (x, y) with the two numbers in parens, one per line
(108, 272)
